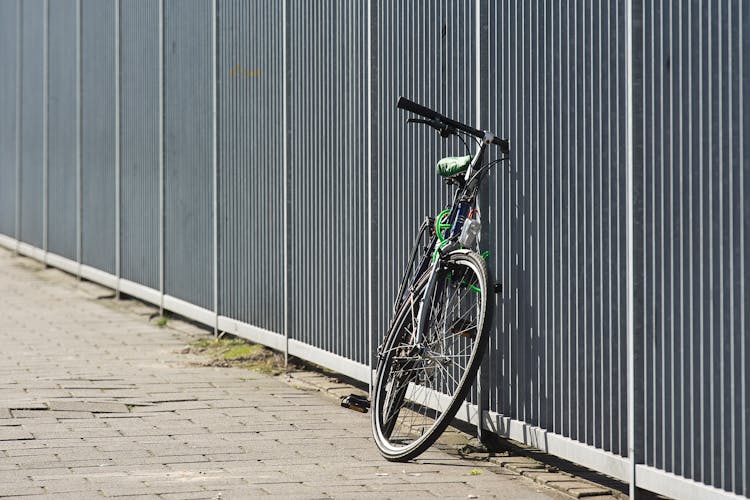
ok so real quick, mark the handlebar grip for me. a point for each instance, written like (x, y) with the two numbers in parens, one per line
(418, 109)
(504, 145)
(409, 105)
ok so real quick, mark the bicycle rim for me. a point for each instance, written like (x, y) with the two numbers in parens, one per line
(419, 388)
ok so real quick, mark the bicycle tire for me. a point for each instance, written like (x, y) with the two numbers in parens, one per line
(417, 392)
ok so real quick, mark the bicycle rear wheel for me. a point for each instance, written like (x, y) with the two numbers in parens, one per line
(419, 387)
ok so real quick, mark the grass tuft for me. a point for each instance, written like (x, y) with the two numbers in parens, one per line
(232, 351)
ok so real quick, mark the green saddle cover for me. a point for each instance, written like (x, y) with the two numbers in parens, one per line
(453, 165)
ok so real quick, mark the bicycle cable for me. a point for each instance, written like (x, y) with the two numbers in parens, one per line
(466, 145)
(486, 168)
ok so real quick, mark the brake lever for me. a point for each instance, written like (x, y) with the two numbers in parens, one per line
(445, 130)
(431, 123)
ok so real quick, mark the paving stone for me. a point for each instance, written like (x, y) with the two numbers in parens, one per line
(50, 413)
(592, 491)
(196, 495)
(67, 485)
(542, 476)
(528, 469)
(245, 492)
(10, 490)
(78, 433)
(26, 406)
(14, 434)
(17, 479)
(516, 461)
(76, 495)
(88, 406)
(116, 489)
(137, 497)
(578, 488)
(46, 393)
(67, 442)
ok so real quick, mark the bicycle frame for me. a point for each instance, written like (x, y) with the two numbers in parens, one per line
(464, 201)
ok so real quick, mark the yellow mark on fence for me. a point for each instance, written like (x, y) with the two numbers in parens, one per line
(239, 70)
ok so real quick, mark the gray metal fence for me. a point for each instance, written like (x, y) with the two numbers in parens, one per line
(62, 126)
(691, 239)
(243, 164)
(140, 139)
(98, 142)
(327, 176)
(10, 30)
(252, 177)
(32, 122)
(559, 353)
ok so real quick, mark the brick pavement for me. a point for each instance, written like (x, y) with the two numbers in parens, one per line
(95, 401)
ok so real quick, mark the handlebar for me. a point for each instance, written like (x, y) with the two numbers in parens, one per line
(408, 105)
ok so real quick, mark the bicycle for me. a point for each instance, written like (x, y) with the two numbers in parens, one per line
(442, 313)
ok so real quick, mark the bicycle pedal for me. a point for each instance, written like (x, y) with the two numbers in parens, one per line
(356, 403)
(465, 329)
(471, 333)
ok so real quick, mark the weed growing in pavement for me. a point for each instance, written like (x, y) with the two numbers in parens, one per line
(232, 351)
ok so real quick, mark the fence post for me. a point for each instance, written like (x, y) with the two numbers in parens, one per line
(79, 194)
(483, 376)
(370, 201)
(214, 76)
(629, 240)
(161, 157)
(45, 134)
(286, 184)
(19, 53)
(118, 194)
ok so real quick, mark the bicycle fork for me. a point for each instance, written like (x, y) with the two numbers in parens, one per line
(426, 305)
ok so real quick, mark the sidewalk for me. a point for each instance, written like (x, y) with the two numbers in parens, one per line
(97, 402)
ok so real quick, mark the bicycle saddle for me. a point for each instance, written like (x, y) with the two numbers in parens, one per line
(453, 165)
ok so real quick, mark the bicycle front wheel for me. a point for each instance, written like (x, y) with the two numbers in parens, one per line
(421, 384)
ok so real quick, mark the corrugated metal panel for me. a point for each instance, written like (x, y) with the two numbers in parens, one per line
(555, 89)
(250, 155)
(98, 133)
(691, 156)
(327, 113)
(62, 138)
(8, 98)
(187, 151)
(425, 51)
(139, 136)
(32, 121)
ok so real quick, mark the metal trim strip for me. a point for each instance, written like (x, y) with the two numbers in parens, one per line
(8, 242)
(99, 276)
(671, 485)
(357, 371)
(140, 291)
(191, 311)
(62, 263)
(252, 333)
(30, 251)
